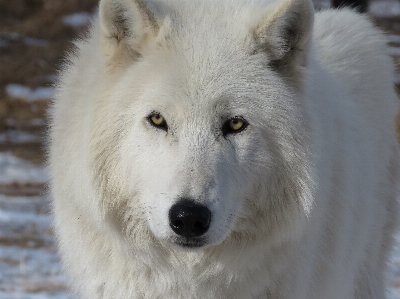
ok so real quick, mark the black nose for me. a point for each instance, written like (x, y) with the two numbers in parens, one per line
(189, 219)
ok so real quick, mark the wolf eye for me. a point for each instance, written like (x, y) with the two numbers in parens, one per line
(158, 121)
(234, 125)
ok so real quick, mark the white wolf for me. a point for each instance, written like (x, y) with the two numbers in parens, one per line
(225, 149)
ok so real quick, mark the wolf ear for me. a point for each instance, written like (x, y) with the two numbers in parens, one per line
(127, 22)
(285, 33)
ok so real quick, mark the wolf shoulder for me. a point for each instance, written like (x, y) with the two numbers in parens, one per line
(355, 52)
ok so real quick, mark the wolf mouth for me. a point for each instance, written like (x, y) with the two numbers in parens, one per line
(189, 243)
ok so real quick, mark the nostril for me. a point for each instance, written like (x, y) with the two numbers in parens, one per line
(189, 219)
(177, 223)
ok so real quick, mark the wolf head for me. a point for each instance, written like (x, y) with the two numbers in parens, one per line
(200, 135)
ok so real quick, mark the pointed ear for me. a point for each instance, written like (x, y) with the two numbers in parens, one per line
(127, 23)
(285, 33)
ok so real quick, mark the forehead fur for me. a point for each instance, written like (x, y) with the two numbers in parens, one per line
(187, 26)
(197, 60)
(197, 45)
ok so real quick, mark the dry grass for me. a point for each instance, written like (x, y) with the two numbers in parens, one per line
(23, 189)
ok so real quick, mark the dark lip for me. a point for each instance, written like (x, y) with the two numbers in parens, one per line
(189, 243)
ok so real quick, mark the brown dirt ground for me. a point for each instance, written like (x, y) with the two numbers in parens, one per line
(31, 65)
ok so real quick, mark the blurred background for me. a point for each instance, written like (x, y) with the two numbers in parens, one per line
(34, 36)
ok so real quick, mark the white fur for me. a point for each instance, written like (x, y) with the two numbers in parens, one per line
(303, 201)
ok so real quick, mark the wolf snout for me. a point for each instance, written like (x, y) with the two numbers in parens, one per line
(189, 219)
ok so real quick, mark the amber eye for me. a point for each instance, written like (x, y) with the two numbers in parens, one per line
(158, 121)
(234, 125)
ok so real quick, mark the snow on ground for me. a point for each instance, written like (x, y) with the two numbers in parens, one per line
(35, 122)
(29, 94)
(15, 136)
(13, 169)
(78, 19)
(29, 263)
(6, 38)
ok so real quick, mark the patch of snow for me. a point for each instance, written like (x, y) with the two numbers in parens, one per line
(27, 93)
(13, 169)
(78, 19)
(60, 295)
(4, 43)
(30, 268)
(26, 218)
(36, 205)
(7, 37)
(35, 273)
(35, 42)
(13, 218)
(42, 93)
(35, 122)
(385, 8)
(18, 91)
(10, 35)
(18, 137)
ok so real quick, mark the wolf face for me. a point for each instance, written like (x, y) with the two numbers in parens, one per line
(198, 153)
(197, 137)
